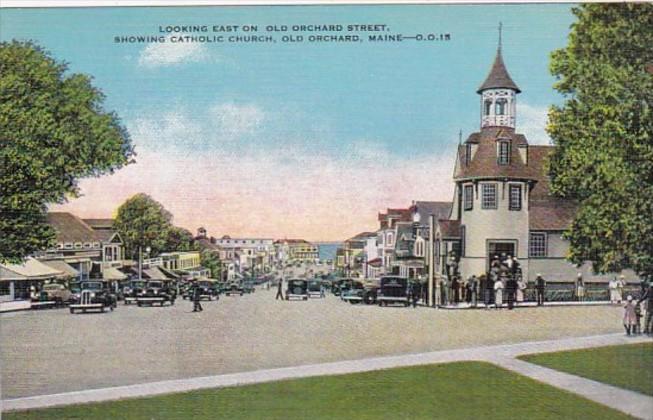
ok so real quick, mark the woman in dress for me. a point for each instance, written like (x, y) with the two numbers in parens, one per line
(498, 294)
(580, 288)
(630, 318)
(521, 287)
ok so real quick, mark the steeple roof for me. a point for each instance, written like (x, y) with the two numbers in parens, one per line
(498, 77)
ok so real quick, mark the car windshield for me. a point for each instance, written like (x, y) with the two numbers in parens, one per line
(136, 284)
(205, 284)
(156, 284)
(93, 285)
(393, 282)
(75, 288)
(297, 283)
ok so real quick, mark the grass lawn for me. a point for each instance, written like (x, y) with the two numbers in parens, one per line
(454, 391)
(628, 366)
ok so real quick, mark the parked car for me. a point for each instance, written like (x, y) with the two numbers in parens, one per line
(393, 289)
(208, 289)
(297, 288)
(339, 286)
(355, 293)
(58, 293)
(156, 291)
(248, 286)
(234, 288)
(93, 296)
(315, 288)
(132, 289)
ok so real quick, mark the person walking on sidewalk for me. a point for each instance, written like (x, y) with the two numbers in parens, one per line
(197, 296)
(647, 300)
(279, 290)
(621, 283)
(498, 294)
(630, 318)
(511, 289)
(472, 291)
(540, 287)
(489, 288)
(580, 288)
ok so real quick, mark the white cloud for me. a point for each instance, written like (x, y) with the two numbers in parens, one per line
(168, 53)
(531, 121)
(236, 120)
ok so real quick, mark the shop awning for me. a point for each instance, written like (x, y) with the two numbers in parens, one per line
(31, 269)
(112, 273)
(153, 273)
(61, 265)
(171, 274)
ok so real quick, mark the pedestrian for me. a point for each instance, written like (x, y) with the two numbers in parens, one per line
(638, 316)
(630, 319)
(445, 291)
(647, 300)
(415, 293)
(455, 290)
(498, 294)
(580, 288)
(322, 290)
(511, 288)
(516, 270)
(620, 288)
(521, 288)
(197, 295)
(279, 290)
(540, 287)
(472, 289)
(612, 288)
(489, 288)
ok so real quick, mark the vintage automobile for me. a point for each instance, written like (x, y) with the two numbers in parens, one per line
(248, 286)
(208, 289)
(392, 289)
(355, 293)
(132, 289)
(156, 291)
(339, 286)
(371, 292)
(93, 297)
(234, 288)
(297, 288)
(57, 293)
(315, 288)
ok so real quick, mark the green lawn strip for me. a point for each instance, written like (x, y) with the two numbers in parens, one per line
(627, 366)
(461, 390)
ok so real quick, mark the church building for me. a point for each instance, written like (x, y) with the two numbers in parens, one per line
(502, 203)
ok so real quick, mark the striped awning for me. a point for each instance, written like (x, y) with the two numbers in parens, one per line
(112, 273)
(61, 265)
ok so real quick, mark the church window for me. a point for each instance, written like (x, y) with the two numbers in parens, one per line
(504, 152)
(487, 107)
(468, 197)
(500, 106)
(514, 198)
(489, 196)
(537, 245)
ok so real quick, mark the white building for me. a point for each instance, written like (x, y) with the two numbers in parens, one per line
(502, 203)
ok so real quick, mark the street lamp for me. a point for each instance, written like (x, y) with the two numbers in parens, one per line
(140, 260)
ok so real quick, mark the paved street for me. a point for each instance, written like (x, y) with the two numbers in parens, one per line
(51, 351)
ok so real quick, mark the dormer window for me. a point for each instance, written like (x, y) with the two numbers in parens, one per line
(503, 152)
(468, 153)
(487, 107)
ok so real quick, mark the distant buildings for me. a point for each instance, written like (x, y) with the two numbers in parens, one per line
(296, 250)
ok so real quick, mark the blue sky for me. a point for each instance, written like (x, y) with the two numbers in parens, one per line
(259, 118)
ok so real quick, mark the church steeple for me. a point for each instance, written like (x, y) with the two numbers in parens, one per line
(498, 94)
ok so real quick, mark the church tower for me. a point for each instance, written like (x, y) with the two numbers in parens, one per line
(498, 95)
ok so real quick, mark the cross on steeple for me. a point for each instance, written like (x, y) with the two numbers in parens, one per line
(500, 29)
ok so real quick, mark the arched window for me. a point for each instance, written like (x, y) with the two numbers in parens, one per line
(501, 107)
(487, 106)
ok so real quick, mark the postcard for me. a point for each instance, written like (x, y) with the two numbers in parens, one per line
(326, 210)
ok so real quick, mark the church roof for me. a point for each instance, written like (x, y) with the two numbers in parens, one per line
(498, 76)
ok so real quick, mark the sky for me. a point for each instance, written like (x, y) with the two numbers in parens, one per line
(295, 139)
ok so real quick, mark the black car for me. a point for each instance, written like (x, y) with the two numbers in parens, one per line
(392, 290)
(315, 288)
(297, 288)
(93, 296)
(341, 285)
(208, 289)
(132, 289)
(156, 291)
(234, 288)
(355, 293)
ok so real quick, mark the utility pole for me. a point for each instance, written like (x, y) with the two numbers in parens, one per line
(430, 259)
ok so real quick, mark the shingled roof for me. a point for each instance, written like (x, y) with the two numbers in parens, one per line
(70, 228)
(498, 76)
(440, 209)
(449, 228)
(484, 164)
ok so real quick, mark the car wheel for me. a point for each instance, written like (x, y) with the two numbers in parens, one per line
(102, 309)
(406, 304)
(111, 308)
(72, 311)
(139, 304)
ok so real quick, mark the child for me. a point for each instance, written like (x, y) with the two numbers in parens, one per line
(630, 320)
(638, 316)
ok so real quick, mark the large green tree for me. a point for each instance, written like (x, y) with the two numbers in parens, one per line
(53, 131)
(604, 135)
(209, 259)
(180, 239)
(143, 222)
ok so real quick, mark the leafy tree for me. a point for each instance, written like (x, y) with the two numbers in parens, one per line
(604, 135)
(180, 239)
(53, 131)
(209, 259)
(143, 222)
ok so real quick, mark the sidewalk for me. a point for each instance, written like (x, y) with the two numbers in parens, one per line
(15, 305)
(503, 355)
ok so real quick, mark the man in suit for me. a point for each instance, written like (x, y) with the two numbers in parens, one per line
(197, 295)
(279, 290)
(540, 286)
